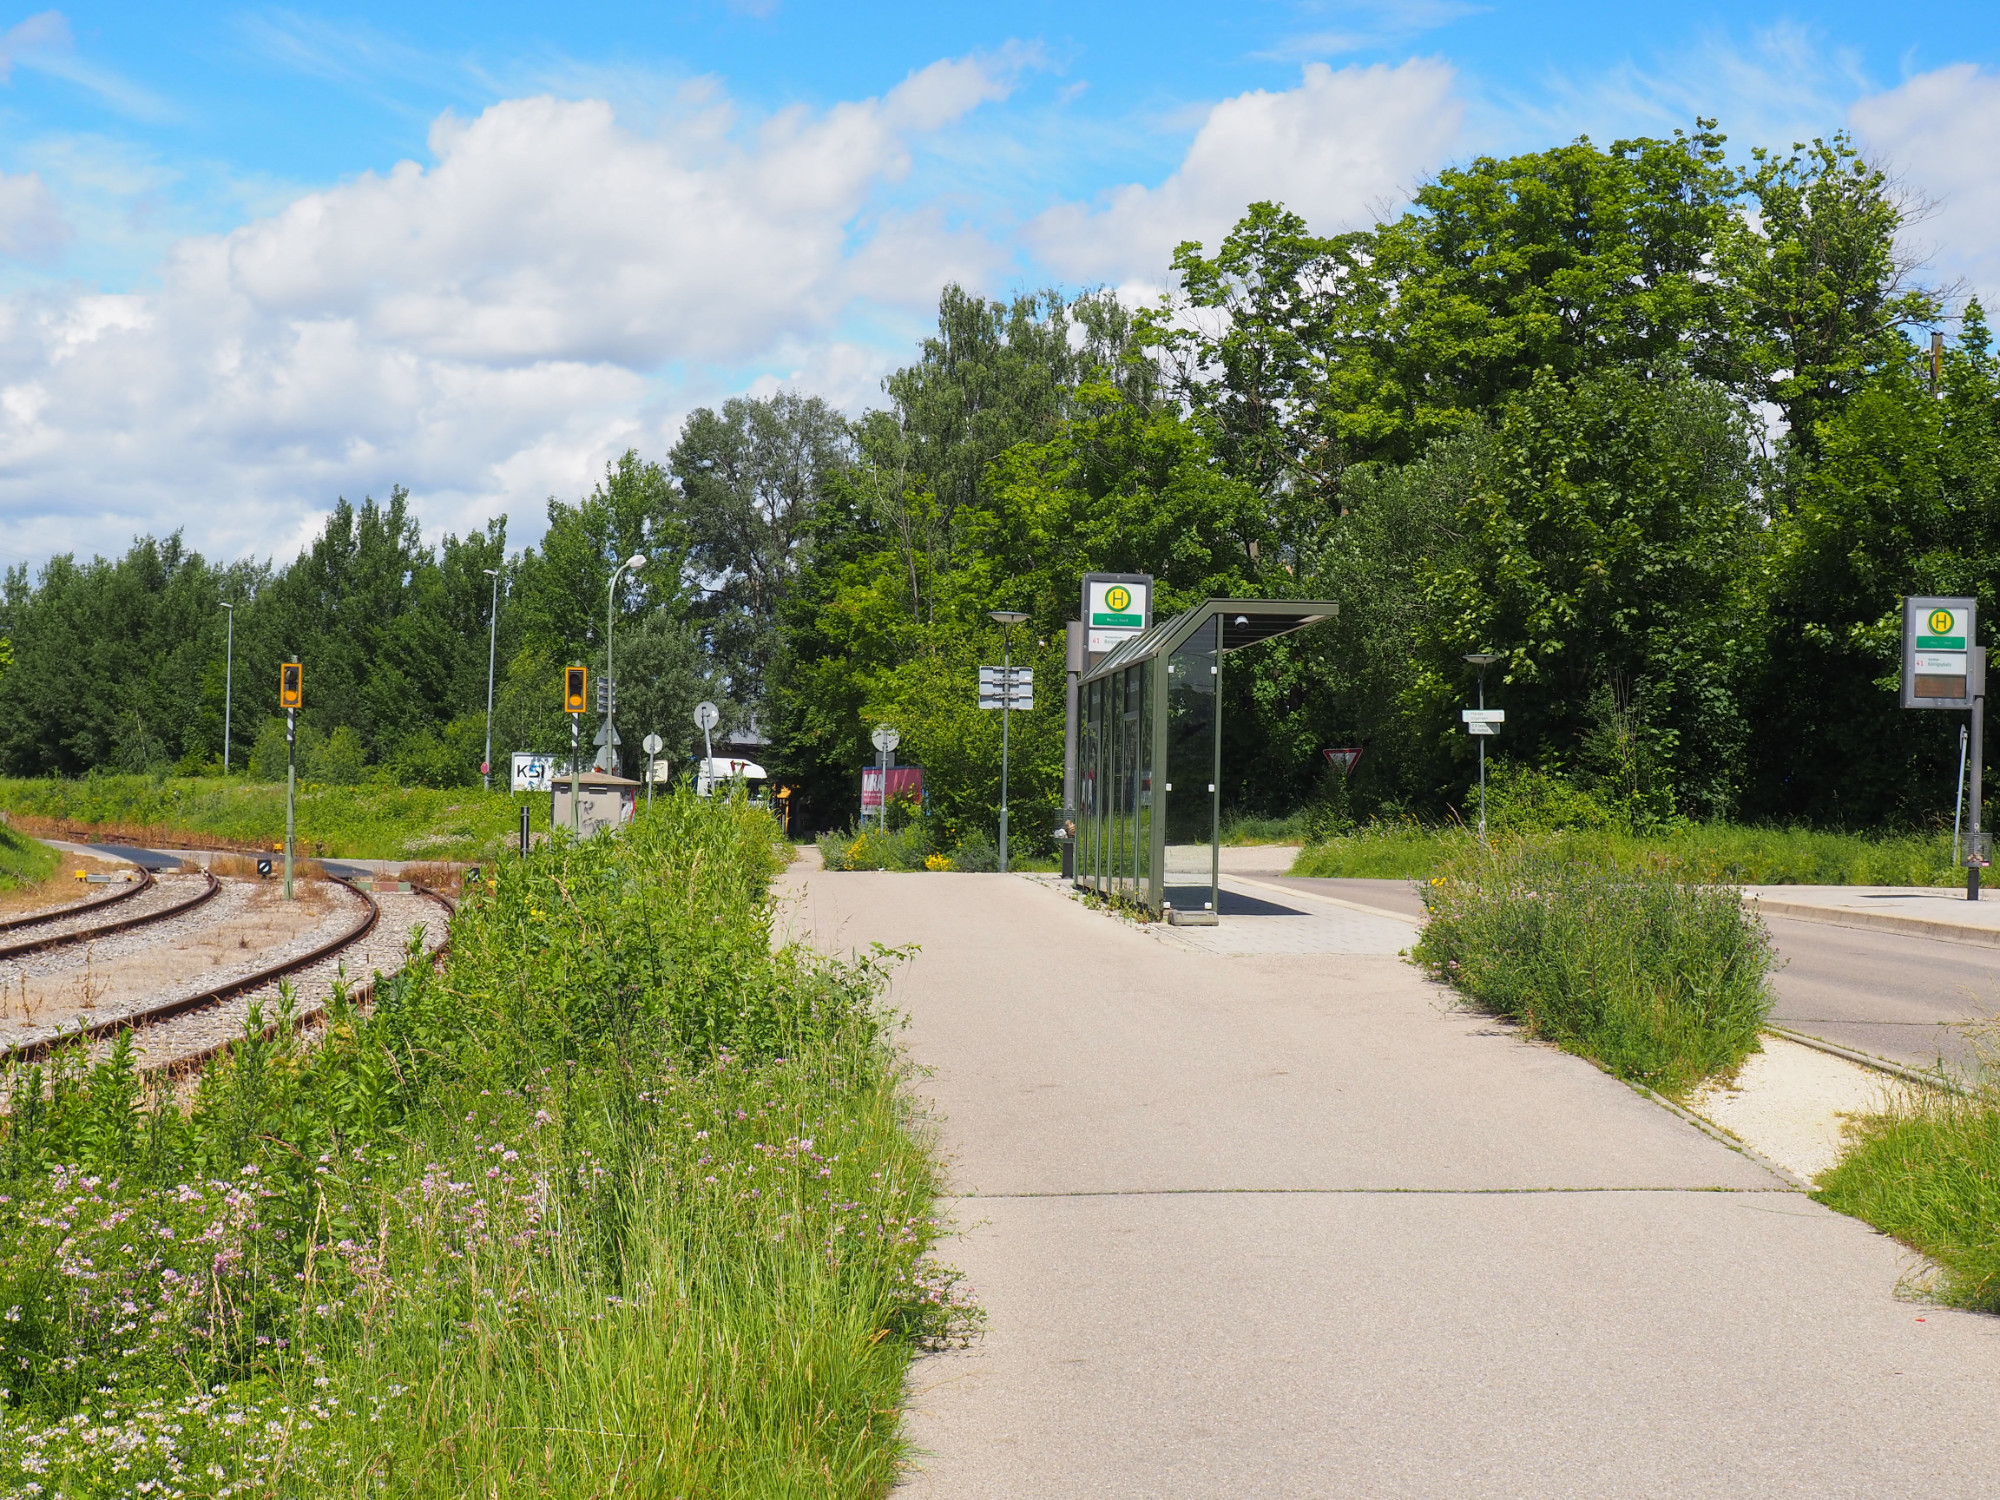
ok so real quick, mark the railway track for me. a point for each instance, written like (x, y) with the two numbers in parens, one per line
(77, 909)
(181, 1032)
(90, 932)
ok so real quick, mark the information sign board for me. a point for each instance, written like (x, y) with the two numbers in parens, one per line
(1116, 607)
(1939, 635)
(1483, 715)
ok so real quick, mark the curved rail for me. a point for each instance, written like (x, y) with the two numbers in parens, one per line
(166, 1010)
(106, 929)
(188, 1061)
(58, 913)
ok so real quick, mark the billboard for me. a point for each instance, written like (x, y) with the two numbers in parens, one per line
(904, 782)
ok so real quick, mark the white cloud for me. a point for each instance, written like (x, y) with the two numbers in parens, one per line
(32, 227)
(43, 42)
(1335, 150)
(1940, 131)
(486, 329)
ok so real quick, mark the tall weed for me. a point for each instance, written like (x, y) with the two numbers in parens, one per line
(1659, 978)
(622, 1201)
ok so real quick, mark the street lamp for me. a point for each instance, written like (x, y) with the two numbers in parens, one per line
(228, 683)
(1482, 660)
(636, 561)
(1006, 619)
(492, 640)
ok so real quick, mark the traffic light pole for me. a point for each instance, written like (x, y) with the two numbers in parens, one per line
(575, 781)
(291, 790)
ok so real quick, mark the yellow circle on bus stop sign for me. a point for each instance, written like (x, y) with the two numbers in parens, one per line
(1119, 597)
(1940, 622)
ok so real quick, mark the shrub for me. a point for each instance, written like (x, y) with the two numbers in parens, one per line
(1660, 979)
(977, 852)
(872, 848)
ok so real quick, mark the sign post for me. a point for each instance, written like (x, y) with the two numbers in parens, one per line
(885, 740)
(1945, 667)
(291, 697)
(1482, 722)
(706, 717)
(652, 745)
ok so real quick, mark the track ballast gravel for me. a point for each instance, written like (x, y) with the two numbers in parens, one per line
(200, 1032)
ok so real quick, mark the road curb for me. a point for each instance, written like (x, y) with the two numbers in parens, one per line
(1919, 1076)
(1879, 921)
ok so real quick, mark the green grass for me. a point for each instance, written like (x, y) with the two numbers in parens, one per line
(1929, 1174)
(1660, 980)
(625, 1201)
(23, 861)
(1253, 828)
(1703, 851)
(352, 822)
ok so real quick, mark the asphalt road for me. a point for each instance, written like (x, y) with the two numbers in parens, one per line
(1906, 998)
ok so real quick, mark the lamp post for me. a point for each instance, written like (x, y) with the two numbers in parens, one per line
(1006, 619)
(228, 683)
(1482, 660)
(635, 561)
(492, 640)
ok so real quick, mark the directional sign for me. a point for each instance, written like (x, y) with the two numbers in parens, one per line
(1480, 728)
(1007, 687)
(885, 738)
(706, 715)
(1938, 638)
(1483, 715)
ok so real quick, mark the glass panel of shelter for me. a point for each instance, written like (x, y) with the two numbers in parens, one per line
(1192, 811)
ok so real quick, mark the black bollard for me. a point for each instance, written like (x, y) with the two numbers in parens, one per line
(524, 830)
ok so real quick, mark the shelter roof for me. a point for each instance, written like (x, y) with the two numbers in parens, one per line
(1245, 622)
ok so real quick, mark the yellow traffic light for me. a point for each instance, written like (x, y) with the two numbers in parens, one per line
(576, 695)
(291, 685)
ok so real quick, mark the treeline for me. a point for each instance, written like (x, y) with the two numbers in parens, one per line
(1661, 431)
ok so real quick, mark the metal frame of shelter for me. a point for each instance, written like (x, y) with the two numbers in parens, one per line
(1149, 754)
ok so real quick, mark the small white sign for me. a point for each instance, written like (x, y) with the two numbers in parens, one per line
(1480, 729)
(1939, 663)
(706, 715)
(885, 738)
(1483, 715)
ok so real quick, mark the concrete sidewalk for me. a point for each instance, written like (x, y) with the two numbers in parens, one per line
(1288, 1224)
(1915, 911)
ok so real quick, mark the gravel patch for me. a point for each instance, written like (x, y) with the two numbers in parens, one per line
(1793, 1104)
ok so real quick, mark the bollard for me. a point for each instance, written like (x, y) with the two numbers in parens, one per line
(524, 830)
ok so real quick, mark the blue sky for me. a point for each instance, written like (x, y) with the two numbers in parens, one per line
(252, 258)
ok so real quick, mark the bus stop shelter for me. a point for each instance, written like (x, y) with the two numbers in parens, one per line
(1149, 754)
